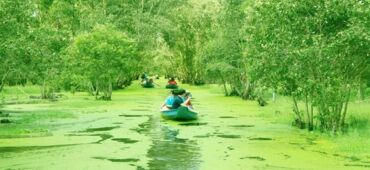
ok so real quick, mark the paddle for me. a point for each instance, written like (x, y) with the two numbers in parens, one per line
(156, 84)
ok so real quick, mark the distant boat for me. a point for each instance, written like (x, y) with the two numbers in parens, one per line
(147, 85)
(171, 86)
(182, 113)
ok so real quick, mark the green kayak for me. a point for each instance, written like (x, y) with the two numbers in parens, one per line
(147, 85)
(171, 86)
(182, 113)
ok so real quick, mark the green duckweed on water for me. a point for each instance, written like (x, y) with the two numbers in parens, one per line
(120, 135)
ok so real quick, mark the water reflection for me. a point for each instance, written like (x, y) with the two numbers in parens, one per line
(168, 151)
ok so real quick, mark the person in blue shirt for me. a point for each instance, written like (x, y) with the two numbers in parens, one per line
(169, 101)
(175, 100)
(144, 77)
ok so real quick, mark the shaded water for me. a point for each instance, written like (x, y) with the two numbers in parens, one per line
(128, 133)
(168, 151)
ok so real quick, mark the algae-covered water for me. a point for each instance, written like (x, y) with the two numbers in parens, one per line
(129, 133)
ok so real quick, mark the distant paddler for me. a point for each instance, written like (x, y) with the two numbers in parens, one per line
(171, 84)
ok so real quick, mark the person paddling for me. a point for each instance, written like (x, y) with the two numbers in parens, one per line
(178, 98)
(171, 84)
(167, 104)
(172, 81)
(187, 102)
(177, 101)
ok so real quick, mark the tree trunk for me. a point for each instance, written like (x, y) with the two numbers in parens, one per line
(338, 111)
(344, 111)
(46, 93)
(308, 119)
(361, 91)
(97, 90)
(109, 94)
(248, 92)
(311, 118)
(245, 94)
(299, 122)
(1, 86)
(225, 88)
(3, 82)
(91, 89)
(326, 115)
(43, 90)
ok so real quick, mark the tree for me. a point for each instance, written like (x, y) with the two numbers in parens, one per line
(187, 30)
(315, 51)
(222, 55)
(55, 25)
(101, 57)
(16, 18)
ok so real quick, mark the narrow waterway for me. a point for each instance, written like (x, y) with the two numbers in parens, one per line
(129, 133)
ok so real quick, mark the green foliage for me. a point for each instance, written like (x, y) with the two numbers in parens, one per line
(314, 50)
(63, 15)
(103, 56)
(16, 17)
(187, 29)
(222, 55)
